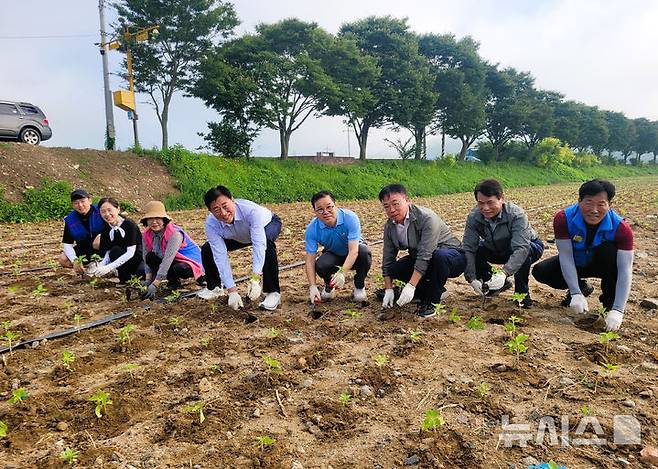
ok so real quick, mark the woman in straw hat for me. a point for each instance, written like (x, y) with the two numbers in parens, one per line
(168, 251)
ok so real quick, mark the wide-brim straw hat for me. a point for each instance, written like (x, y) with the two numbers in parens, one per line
(155, 209)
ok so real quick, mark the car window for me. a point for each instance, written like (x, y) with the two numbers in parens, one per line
(8, 109)
(29, 109)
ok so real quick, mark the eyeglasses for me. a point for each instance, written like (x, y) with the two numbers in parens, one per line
(391, 206)
(327, 209)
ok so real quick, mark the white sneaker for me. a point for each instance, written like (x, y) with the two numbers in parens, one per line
(360, 294)
(271, 301)
(328, 295)
(210, 294)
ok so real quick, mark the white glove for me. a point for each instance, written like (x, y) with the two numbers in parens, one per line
(406, 295)
(477, 286)
(337, 280)
(613, 320)
(497, 281)
(91, 268)
(579, 303)
(389, 296)
(234, 300)
(254, 290)
(314, 294)
(102, 270)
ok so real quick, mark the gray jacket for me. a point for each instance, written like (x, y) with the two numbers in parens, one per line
(426, 232)
(512, 235)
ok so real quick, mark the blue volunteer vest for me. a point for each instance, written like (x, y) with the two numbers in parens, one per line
(578, 233)
(78, 229)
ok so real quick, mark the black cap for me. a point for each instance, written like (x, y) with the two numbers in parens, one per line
(79, 194)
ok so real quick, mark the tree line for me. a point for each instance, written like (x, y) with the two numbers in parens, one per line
(375, 72)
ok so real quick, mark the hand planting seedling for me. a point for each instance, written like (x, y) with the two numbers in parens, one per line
(345, 398)
(517, 345)
(39, 291)
(475, 323)
(79, 262)
(3, 429)
(510, 325)
(10, 338)
(352, 314)
(518, 298)
(433, 420)
(439, 308)
(381, 360)
(453, 317)
(264, 442)
(483, 389)
(77, 318)
(273, 333)
(124, 335)
(102, 400)
(69, 455)
(414, 335)
(196, 409)
(606, 337)
(67, 359)
(18, 395)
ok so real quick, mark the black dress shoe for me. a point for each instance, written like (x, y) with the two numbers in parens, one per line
(425, 310)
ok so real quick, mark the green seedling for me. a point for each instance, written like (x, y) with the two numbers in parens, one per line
(264, 442)
(196, 409)
(6, 324)
(399, 283)
(78, 318)
(93, 282)
(496, 270)
(602, 312)
(204, 341)
(18, 395)
(453, 317)
(69, 455)
(610, 367)
(439, 308)
(96, 258)
(433, 420)
(130, 368)
(39, 291)
(136, 283)
(518, 298)
(175, 321)
(483, 389)
(12, 289)
(214, 308)
(475, 323)
(68, 305)
(173, 296)
(510, 325)
(585, 410)
(124, 334)
(3, 429)
(216, 368)
(606, 337)
(10, 338)
(345, 398)
(102, 400)
(552, 465)
(414, 336)
(273, 365)
(273, 333)
(80, 260)
(352, 314)
(380, 360)
(379, 278)
(517, 345)
(67, 359)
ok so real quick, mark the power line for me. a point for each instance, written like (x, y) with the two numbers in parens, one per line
(54, 36)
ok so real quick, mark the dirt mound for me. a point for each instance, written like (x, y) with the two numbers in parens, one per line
(124, 175)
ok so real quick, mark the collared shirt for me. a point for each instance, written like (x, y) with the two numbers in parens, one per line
(334, 239)
(401, 229)
(248, 227)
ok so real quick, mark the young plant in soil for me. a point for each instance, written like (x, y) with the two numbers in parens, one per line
(12, 289)
(517, 345)
(585, 410)
(204, 341)
(80, 261)
(136, 283)
(173, 296)
(102, 400)
(196, 409)
(439, 308)
(453, 317)
(475, 323)
(213, 308)
(67, 359)
(345, 398)
(352, 314)
(510, 325)
(10, 338)
(124, 335)
(78, 318)
(6, 324)
(264, 442)
(216, 368)
(18, 395)
(3, 429)
(606, 337)
(93, 283)
(518, 298)
(609, 367)
(69, 456)
(67, 306)
(39, 291)
(399, 283)
(273, 366)
(175, 321)
(380, 360)
(602, 312)
(130, 368)
(483, 390)
(414, 336)
(96, 258)
(433, 420)
(273, 333)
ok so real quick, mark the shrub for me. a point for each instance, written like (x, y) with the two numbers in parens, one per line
(551, 152)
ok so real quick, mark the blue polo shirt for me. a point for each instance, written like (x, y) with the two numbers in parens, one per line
(333, 238)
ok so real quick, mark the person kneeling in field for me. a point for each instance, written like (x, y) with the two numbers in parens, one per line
(338, 230)
(168, 251)
(121, 244)
(498, 231)
(435, 253)
(82, 228)
(592, 241)
(235, 224)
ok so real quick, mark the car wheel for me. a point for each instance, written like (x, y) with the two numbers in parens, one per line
(30, 136)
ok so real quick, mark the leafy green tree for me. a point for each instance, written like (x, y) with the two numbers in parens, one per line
(164, 65)
(647, 138)
(567, 121)
(539, 116)
(592, 130)
(620, 133)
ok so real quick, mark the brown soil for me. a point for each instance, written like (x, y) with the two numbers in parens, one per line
(191, 351)
(120, 174)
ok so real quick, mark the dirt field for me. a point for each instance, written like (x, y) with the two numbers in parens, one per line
(193, 351)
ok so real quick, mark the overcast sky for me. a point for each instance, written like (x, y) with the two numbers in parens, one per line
(595, 51)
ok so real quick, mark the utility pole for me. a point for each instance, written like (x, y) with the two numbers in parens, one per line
(110, 135)
(131, 84)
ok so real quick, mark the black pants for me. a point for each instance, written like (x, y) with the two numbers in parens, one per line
(445, 263)
(177, 270)
(270, 268)
(134, 267)
(603, 265)
(328, 263)
(484, 255)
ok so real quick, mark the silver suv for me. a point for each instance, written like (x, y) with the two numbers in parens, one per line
(24, 122)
